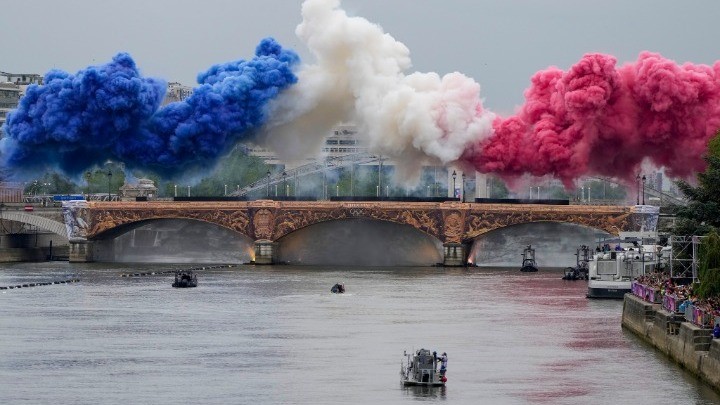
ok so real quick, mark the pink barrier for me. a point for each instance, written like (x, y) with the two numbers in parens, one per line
(637, 289)
(670, 303)
(701, 318)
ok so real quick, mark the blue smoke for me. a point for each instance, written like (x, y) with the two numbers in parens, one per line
(109, 112)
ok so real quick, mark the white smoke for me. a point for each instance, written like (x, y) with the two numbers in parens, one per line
(359, 76)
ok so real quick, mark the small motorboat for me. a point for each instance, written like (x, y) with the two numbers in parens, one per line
(528, 263)
(580, 271)
(421, 368)
(338, 288)
(185, 279)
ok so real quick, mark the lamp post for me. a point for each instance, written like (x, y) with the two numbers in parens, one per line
(380, 174)
(188, 191)
(352, 169)
(538, 195)
(643, 185)
(284, 174)
(267, 190)
(463, 188)
(454, 175)
(175, 190)
(589, 193)
(225, 190)
(109, 174)
(638, 189)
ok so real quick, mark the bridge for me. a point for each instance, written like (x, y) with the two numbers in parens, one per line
(266, 222)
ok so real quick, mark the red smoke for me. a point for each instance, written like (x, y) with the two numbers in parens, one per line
(596, 119)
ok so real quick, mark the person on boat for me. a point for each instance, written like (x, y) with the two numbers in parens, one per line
(443, 364)
(618, 247)
(716, 331)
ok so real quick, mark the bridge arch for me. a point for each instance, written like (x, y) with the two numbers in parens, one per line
(555, 244)
(48, 224)
(359, 241)
(172, 240)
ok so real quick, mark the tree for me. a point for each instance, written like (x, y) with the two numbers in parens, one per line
(709, 269)
(702, 213)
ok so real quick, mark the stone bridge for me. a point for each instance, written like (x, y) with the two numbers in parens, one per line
(455, 224)
(49, 219)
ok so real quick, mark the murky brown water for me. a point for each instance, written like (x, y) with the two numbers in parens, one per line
(271, 335)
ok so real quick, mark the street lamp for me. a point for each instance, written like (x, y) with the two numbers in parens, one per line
(284, 174)
(267, 193)
(454, 175)
(380, 166)
(109, 174)
(188, 191)
(463, 187)
(226, 190)
(638, 189)
(643, 184)
(175, 190)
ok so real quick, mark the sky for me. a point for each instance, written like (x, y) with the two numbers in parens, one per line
(515, 88)
(500, 44)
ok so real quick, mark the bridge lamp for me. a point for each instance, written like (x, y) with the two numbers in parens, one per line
(643, 185)
(188, 191)
(454, 175)
(284, 174)
(109, 174)
(267, 193)
(226, 190)
(463, 187)
(175, 186)
(638, 189)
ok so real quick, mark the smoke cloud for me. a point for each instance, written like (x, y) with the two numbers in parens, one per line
(594, 119)
(602, 120)
(73, 122)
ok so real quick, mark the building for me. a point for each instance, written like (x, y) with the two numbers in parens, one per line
(176, 92)
(343, 140)
(12, 88)
(144, 188)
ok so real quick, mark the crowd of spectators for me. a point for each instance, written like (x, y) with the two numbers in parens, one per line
(682, 293)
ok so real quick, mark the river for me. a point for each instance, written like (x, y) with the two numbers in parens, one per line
(276, 335)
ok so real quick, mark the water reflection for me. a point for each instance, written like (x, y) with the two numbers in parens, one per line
(424, 393)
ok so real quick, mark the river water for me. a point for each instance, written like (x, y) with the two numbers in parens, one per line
(276, 335)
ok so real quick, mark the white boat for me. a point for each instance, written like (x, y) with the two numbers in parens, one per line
(421, 368)
(612, 271)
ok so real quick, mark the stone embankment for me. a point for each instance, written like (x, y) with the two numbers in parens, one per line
(689, 345)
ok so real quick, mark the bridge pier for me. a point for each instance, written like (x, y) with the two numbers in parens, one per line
(81, 251)
(265, 252)
(454, 254)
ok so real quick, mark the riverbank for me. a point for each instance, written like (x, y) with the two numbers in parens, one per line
(689, 345)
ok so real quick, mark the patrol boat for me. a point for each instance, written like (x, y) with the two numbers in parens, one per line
(421, 369)
(185, 279)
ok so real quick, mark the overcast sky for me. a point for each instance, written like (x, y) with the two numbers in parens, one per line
(498, 43)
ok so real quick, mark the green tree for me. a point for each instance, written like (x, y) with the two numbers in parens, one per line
(709, 268)
(702, 213)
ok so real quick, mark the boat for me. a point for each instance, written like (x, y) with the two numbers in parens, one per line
(581, 269)
(621, 260)
(185, 279)
(421, 368)
(528, 263)
(338, 288)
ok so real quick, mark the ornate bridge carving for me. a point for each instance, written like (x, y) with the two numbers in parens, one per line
(450, 222)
